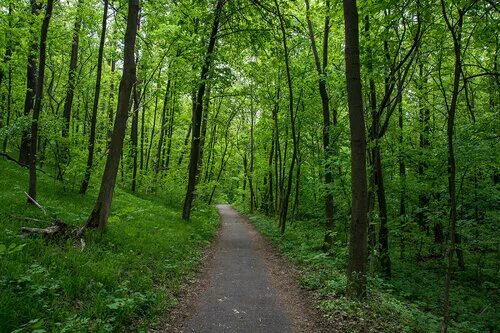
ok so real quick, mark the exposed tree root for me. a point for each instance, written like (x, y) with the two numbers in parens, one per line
(59, 230)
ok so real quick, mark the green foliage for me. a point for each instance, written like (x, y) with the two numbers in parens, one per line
(409, 302)
(129, 276)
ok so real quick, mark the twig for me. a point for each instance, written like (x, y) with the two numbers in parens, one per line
(36, 203)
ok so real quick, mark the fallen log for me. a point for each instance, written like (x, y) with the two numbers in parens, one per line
(58, 228)
(58, 231)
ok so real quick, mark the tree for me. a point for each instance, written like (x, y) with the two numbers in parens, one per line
(70, 92)
(31, 81)
(95, 105)
(356, 271)
(33, 138)
(198, 113)
(99, 215)
(325, 102)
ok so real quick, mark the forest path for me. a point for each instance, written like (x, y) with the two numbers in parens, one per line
(247, 287)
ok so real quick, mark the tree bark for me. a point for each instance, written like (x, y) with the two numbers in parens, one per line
(99, 216)
(153, 129)
(110, 100)
(285, 198)
(38, 102)
(424, 144)
(456, 33)
(134, 135)
(70, 90)
(30, 86)
(356, 270)
(402, 177)
(325, 102)
(7, 59)
(97, 91)
(162, 128)
(198, 112)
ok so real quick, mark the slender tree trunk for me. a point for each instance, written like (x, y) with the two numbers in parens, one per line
(38, 102)
(356, 270)
(170, 132)
(402, 177)
(153, 129)
(163, 129)
(269, 202)
(325, 102)
(134, 136)
(424, 144)
(372, 241)
(186, 141)
(99, 216)
(97, 91)
(198, 113)
(287, 190)
(456, 32)
(203, 134)
(30, 86)
(252, 160)
(7, 59)
(223, 160)
(143, 130)
(134, 131)
(70, 90)
(385, 261)
(110, 100)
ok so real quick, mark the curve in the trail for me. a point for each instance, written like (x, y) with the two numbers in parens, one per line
(239, 296)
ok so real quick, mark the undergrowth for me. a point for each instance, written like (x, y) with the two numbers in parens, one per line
(126, 279)
(409, 302)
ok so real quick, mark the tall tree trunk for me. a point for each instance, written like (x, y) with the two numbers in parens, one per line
(185, 143)
(97, 91)
(372, 241)
(70, 90)
(38, 102)
(204, 121)
(356, 270)
(170, 131)
(7, 60)
(110, 100)
(198, 112)
(143, 131)
(252, 157)
(288, 188)
(153, 129)
(402, 177)
(163, 129)
(456, 34)
(424, 144)
(134, 131)
(383, 235)
(99, 216)
(31, 79)
(134, 136)
(325, 102)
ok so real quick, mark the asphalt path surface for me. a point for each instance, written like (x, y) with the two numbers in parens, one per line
(239, 296)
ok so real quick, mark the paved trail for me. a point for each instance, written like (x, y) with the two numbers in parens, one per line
(240, 296)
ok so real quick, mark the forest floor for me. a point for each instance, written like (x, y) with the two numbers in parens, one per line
(127, 279)
(246, 286)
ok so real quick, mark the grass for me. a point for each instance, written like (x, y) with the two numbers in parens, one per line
(409, 302)
(125, 280)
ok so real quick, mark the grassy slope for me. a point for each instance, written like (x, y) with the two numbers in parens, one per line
(410, 302)
(125, 279)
